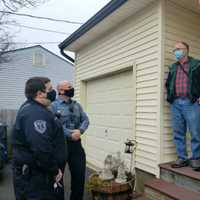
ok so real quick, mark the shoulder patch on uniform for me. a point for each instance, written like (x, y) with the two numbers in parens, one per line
(40, 126)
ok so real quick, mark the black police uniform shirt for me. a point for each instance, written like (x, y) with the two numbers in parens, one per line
(36, 138)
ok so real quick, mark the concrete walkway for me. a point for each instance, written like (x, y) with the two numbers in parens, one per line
(6, 185)
(87, 196)
(7, 191)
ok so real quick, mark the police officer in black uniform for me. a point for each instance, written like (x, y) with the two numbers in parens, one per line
(38, 145)
(75, 122)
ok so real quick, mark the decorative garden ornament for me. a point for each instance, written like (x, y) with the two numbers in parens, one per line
(106, 174)
(116, 160)
(121, 174)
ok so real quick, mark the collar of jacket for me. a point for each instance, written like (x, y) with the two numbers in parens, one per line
(60, 100)
(194, 63)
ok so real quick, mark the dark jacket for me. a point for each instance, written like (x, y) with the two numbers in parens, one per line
(194, 80)
(37, 138)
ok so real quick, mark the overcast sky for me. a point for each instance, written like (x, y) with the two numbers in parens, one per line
(72, 10)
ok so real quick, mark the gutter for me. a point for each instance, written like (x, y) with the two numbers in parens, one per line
(66, 56)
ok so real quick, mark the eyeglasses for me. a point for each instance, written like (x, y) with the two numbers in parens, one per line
(177, 49)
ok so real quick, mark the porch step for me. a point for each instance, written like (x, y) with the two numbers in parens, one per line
(184, 177)
(138, 196)
(141, 198)
(157, 189)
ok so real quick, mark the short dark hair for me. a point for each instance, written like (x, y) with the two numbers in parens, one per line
(186, 45)
(35, 84)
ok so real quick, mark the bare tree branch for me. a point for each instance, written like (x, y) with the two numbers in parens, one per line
(14, 5)
(5, 45)
(5, 36)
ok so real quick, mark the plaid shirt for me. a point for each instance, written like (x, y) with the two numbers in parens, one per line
(182, 81)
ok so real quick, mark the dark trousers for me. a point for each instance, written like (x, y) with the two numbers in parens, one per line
(34, 186)
(77, 167)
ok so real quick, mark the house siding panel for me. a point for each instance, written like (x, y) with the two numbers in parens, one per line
(14, 74)
(181, 25)
(133, 41)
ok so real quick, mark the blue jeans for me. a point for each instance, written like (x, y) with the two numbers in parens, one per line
(186, 115)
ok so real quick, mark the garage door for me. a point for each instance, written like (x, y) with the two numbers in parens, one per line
(109, 105)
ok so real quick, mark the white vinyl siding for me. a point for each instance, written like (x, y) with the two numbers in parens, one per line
(110, 107)
(134, 42)
(182, 24)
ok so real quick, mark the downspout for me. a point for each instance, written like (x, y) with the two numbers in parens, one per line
(66, 56)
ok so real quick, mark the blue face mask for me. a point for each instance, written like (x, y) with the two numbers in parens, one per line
(179, 54)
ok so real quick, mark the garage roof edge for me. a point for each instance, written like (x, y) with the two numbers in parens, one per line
(98, 17)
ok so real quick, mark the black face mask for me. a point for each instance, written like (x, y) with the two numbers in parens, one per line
(69, 93)
(51, 95)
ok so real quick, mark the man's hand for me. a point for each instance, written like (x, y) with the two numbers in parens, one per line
(198, 100)
(59, 176)
(76, 134)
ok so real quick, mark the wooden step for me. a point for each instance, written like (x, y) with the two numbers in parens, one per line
(141, 198)
(157, 189)
(185, 176)
(138, 196)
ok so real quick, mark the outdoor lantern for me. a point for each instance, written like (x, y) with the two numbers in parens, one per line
(130, 144)
(129, 148)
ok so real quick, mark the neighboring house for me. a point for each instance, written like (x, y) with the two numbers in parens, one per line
(25, 63)
(122, 58)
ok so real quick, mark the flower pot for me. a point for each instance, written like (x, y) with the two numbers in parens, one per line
(110, 190)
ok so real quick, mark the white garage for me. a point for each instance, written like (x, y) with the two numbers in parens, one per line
(141, 35)
(109, 104)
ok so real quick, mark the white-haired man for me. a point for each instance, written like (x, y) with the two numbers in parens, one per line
(75, 122)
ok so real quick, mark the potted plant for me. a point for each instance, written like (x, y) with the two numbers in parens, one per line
(118, 186)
